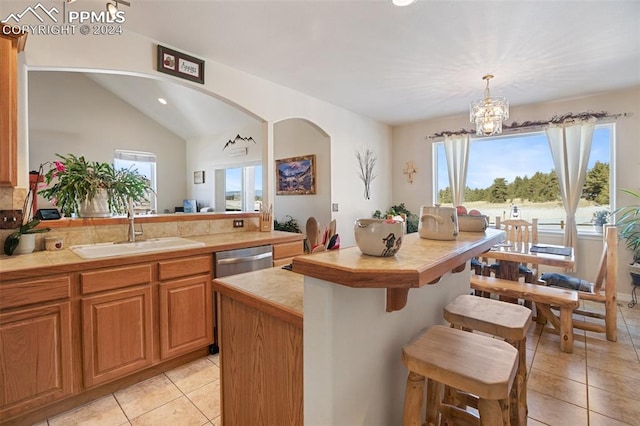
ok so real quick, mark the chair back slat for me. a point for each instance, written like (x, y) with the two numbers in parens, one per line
(520, 231)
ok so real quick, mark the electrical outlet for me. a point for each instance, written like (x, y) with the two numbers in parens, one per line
(334, 207)
(10, 219)
(238, 223)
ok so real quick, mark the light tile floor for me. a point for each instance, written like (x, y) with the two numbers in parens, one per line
(597, 385)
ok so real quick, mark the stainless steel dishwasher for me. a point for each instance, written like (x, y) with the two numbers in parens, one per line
(232, 262)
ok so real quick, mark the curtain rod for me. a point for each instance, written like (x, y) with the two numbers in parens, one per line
(528, 126)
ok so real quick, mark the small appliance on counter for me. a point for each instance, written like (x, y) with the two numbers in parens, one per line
(48, 214)
(438, 223)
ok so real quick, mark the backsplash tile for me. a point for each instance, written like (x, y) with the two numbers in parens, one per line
(94, 234)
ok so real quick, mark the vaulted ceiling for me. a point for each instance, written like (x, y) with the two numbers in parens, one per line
(404, 64)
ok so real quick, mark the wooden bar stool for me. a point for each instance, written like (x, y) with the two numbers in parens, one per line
(506, 320)
(467, 362)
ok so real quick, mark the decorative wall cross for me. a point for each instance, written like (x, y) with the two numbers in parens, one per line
(410, 170)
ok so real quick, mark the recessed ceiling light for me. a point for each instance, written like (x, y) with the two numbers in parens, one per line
(163, 101)
(402, 2)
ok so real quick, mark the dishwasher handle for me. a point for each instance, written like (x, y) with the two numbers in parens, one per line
(232, 260)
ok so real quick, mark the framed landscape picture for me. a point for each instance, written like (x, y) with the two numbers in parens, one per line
(296, 175)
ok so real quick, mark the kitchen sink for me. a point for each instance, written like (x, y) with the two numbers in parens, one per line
(95, 251)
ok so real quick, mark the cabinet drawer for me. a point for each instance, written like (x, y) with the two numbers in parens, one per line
(109, 279)
(185, 267)
(26, 293)
(287, 250)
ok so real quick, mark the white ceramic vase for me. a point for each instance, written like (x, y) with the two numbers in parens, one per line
(98, 206)
(27, 244)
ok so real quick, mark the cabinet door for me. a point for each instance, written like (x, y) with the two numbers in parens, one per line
(186, 315)
(35, 357)
(285, 252)
(10, 45)
(116, 334)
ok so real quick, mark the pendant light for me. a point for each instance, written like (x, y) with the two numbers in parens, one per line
(489, 113)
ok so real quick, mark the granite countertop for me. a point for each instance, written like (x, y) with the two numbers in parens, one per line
(50, 262)
(275, 291)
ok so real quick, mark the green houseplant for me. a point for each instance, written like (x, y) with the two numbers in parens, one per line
(600, 218)
(74, 182)
(27, 226)
(412, 219)
(628, 221)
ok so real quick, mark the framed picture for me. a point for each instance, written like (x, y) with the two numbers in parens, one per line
(180, 64)
(296, 175)
(198, 177)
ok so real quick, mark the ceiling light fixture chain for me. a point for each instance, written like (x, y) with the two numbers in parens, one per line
(489, 113)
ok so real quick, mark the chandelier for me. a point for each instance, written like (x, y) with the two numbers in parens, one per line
(489, 113)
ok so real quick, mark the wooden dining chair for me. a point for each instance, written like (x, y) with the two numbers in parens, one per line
(519, 231)
(603, 290)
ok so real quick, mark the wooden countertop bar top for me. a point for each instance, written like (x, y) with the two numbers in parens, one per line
(275, 291)
(419, 262)
(51, 262)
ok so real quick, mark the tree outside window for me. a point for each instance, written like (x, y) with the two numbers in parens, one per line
(508, 171)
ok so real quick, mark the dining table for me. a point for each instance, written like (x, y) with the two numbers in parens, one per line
(510, 255)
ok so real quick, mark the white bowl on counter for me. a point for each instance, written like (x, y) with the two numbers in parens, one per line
(379, 237)
(471, 223)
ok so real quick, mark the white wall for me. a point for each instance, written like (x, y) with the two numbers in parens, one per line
(353, 373)
(295, 138)
(348, 131)
(69, 113)
(410, 143)
(208, 153)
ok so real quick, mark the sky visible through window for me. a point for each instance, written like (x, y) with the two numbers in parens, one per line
(234, 179)
(511, 156)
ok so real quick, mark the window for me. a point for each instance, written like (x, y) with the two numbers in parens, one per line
(145, 164)
(243, 188)
(513, 175)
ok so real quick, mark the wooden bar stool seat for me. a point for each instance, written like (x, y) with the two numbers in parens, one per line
(467, 362)
(506, 320)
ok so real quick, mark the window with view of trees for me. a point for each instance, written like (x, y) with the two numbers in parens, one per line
(514, 175)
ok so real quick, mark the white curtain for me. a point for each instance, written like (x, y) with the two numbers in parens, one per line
(456, 149)
(570, 147)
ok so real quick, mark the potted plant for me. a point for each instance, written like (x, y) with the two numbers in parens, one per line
(628, 221)
(92, 189)
(23, 240)
(600, 218)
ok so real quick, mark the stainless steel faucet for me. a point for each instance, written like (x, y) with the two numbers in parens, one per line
(132, 233)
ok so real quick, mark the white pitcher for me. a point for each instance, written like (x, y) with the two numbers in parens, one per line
(438, 223)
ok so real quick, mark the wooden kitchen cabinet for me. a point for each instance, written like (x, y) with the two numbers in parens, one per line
(11, 44)
(186, 315)
(185, 305)
(117, 325)
(116, 334)
(35, 344)
(284, 253)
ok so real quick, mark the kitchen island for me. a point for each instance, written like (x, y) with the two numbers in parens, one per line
(358, 311)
